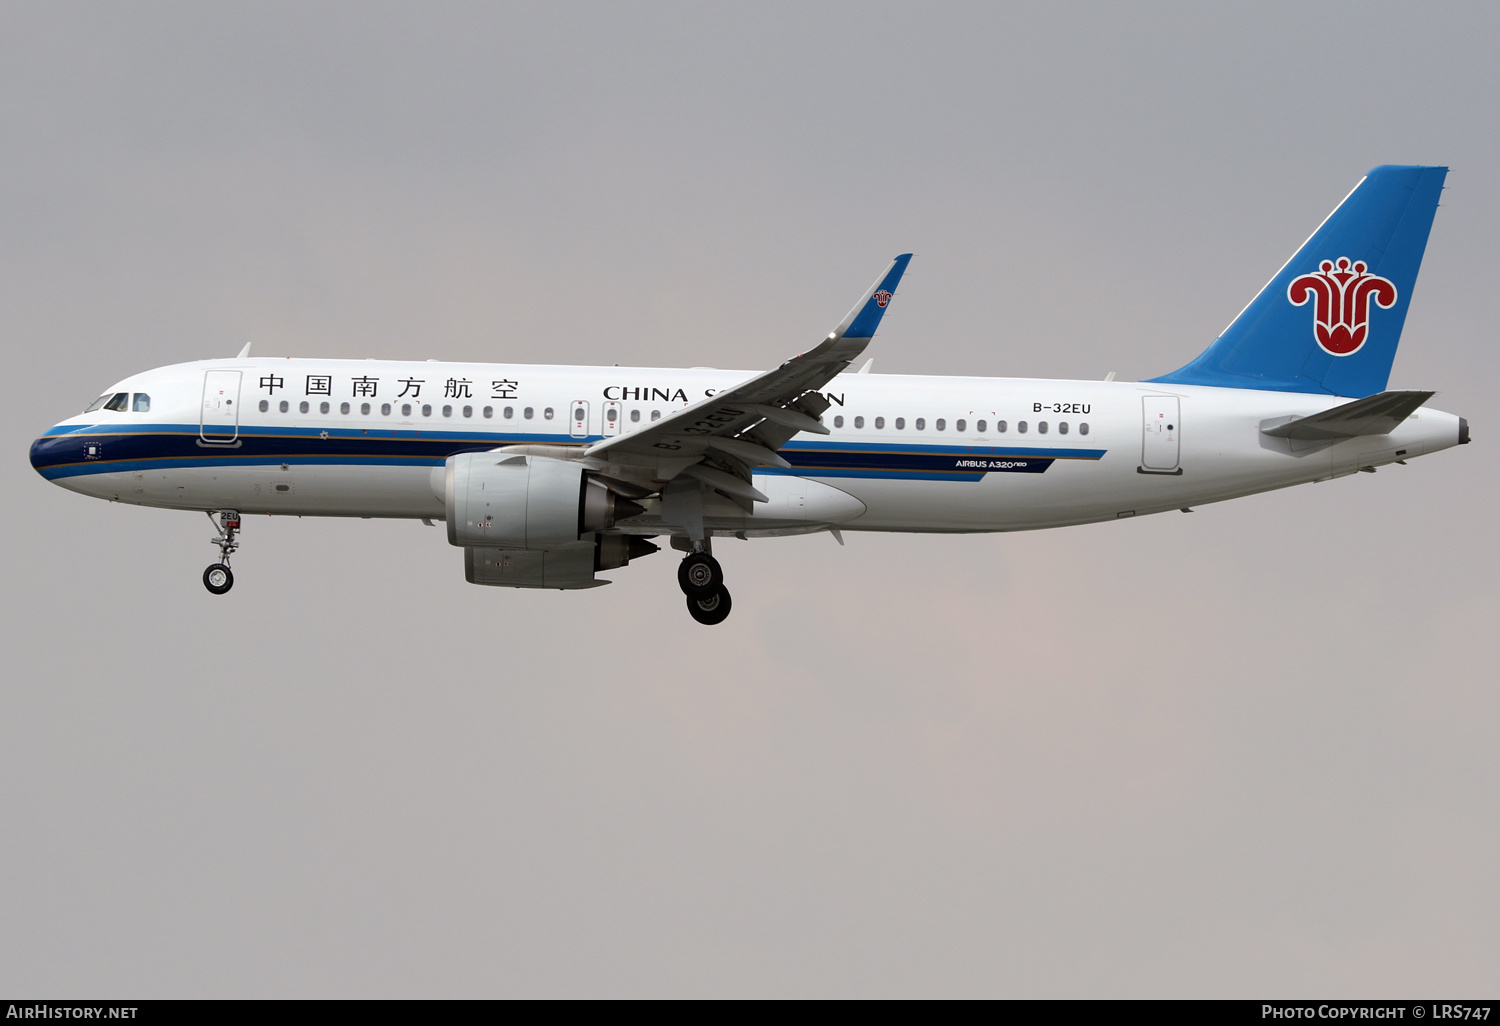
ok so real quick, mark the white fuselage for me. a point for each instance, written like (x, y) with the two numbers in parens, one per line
(905, 453)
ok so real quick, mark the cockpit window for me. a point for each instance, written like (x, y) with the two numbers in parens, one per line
(119, 402)
(99, 402)
(142, 403)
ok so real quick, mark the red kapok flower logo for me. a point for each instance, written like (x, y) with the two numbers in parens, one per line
(1344, 291)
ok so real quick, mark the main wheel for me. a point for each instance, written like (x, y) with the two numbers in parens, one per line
(699, 575)
(218, 578)
(711, 610)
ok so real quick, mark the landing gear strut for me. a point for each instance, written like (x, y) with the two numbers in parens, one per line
(218, 578)
(702, 581)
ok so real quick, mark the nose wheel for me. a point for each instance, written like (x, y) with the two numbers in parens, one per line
(218, 578)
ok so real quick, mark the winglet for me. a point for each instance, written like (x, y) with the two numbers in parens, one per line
(862, 321)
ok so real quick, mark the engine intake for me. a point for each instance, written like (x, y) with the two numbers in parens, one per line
(526, 502)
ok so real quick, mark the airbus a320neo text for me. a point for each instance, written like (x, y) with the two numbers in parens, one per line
(548, 476)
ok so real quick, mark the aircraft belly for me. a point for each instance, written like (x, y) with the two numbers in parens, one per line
(292, 490)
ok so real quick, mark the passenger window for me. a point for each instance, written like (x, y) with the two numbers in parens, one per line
(859, 422)
(610, 415)
(635, 416)
(303, 406)
(1021, 426)
(900, 423)
(508, 413)
(959, 425)
(880, 422)
(447, 411)
(528, 413)
(942, 425)
(264, 406)
(285, 406)
(1062, 427)
(142, 403)
(578, 414)
(385, 409)
(1001, 426)
(119, 402)
(364, 408)
(921, 423)
(656, 415)
(406, 409)
(1083, 428)
(343, 407)
(838, 421)
(468, 411)
(426, 410)
(322, 407)
(1041, 427)
(489, 412)
(547, 413)
(978, 426)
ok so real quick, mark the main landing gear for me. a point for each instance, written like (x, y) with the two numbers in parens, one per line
(702, 581)
(218, 578)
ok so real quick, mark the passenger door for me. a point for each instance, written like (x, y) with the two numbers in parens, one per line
(1161, 434)
(221, 406)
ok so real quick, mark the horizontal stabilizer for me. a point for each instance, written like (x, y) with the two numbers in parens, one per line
(1373, 415)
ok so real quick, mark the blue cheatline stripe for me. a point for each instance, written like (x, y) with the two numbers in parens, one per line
(100, 449)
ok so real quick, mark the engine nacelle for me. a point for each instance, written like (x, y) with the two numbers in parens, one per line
(496, 500)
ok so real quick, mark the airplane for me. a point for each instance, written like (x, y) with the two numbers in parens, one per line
(547, 476)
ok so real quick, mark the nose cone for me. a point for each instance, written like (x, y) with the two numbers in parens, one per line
(52, 453)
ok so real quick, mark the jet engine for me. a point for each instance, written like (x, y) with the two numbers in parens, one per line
(499, 500)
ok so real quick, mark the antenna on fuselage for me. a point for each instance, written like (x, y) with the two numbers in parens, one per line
(246, 351)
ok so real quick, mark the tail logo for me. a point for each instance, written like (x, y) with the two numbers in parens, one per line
(1344, 292)
(882, 298)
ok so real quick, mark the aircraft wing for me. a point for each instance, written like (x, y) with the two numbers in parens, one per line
(742, 427)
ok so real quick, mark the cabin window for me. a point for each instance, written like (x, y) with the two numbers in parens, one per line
(364, 408)
(978, 426)
(285, 406)
(1041, 427)
(900, 423)
(921, 423)
(322, 407)
(1062, 427)
(142, 403)
(447, 411)
(1001, 426)
(508, 413)
(343, 407)
(489, 412)
(958, 425)
(406, 409)
(468, 411)
(859, 422)
(385, 409)
(610, 415)
(578, 414)
(119, 402)
(1083, 428)
(528, 413)
(1021, 426)
(426, 410)
(941, 425)
(656, 415)
(635, 416)
(547, 413)
(303, 406)
(838, 421)
(880, 422)
(264, 405)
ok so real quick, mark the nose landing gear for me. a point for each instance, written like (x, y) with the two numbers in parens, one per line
(218, 578)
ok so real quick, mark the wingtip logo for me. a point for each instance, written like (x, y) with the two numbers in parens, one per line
(882, 298)
(1344, 291)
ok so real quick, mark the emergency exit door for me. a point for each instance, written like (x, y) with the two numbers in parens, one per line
(578, 419)
(221, 406)
(1161, 434)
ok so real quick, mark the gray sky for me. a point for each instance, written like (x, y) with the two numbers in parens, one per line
(1246, 752)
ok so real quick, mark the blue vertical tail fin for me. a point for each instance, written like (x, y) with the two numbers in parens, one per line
(1330, 319)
